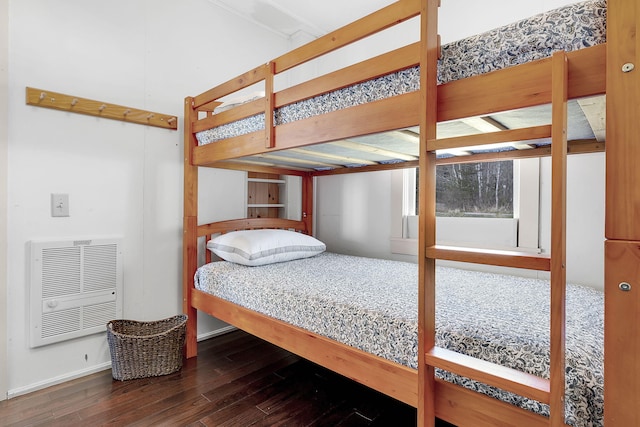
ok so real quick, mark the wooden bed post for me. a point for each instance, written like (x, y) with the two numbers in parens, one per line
(559, 89)
(189, 237)
(307, 202)
(622, 224)
(429, 53)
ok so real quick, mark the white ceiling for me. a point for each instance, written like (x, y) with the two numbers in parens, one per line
(287, 17)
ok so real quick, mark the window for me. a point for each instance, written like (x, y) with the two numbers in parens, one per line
(483, 202)
(483, 190)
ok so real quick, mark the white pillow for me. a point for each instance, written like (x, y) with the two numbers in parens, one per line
(260, 247)
(238, 100)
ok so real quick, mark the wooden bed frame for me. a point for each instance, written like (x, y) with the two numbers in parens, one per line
(590, 71)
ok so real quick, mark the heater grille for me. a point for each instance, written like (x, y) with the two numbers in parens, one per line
(76, 288)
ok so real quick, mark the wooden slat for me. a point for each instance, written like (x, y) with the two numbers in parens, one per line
(484, 124)
(574, 147)
(369, 69)
(372, 168)
(511, 135)
(520, 86)
(595, 111)
(351, 145)
(501, 258)
(558, 235)
(294, 160)
(247, 109)
(249, 224)
(264, 168)
(464, 407)
(342, 159)
(502, 377)
(105, 110)
(245, 80)
(260, 166)
(210, 106)
(374, 117)
(384, 18)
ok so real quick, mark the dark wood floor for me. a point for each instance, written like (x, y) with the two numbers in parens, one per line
(236, 380)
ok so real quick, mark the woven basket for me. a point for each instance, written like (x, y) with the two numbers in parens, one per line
(146, 349)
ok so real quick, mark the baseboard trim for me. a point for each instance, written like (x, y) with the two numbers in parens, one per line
(57, 380)
(98, 368)
(215, 333)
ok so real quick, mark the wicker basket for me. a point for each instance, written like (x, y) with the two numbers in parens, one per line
(146, 349)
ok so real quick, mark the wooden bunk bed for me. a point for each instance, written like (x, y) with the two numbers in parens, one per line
(586, 72)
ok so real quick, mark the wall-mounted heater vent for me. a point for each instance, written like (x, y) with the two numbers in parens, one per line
(76, 288)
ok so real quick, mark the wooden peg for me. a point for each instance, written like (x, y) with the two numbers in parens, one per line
(74, 102)
(126, 112)
(171, 120)
(42, 95)
(102, 107)
(150, 116)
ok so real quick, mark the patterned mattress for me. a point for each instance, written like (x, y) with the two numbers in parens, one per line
(372, 305)
(567, 28)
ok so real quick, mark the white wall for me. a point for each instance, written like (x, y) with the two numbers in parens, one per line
(353, 214)
(4, 65)
(122, 179)
(585, 216)
(463, 18)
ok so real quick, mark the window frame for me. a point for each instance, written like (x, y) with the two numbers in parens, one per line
(526, 208)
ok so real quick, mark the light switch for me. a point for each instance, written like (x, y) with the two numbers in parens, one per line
(59, 204)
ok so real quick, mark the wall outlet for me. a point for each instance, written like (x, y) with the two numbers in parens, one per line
(59, 205)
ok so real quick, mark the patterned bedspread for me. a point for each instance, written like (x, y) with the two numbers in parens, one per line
(372, 305)
(567, 28)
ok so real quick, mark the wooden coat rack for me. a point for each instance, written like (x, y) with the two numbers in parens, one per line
(75, 104)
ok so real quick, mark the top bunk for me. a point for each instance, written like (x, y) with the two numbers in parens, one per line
(366, 116)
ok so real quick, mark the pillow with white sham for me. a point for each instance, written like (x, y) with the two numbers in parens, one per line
(267, 246)
(238, 100)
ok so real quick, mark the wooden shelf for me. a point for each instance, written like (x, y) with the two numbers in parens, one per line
(267, 181)
(265, 195)
(265, 205)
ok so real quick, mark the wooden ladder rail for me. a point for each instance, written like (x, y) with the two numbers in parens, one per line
(550, 391)
(429, 52)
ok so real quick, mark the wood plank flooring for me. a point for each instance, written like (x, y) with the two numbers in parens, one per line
(236, 380)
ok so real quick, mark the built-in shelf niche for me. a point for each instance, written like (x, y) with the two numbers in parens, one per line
(265, 195)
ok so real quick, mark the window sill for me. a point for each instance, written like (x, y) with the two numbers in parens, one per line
(404, 246)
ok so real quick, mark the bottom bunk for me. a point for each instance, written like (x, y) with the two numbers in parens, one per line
(358, 317)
